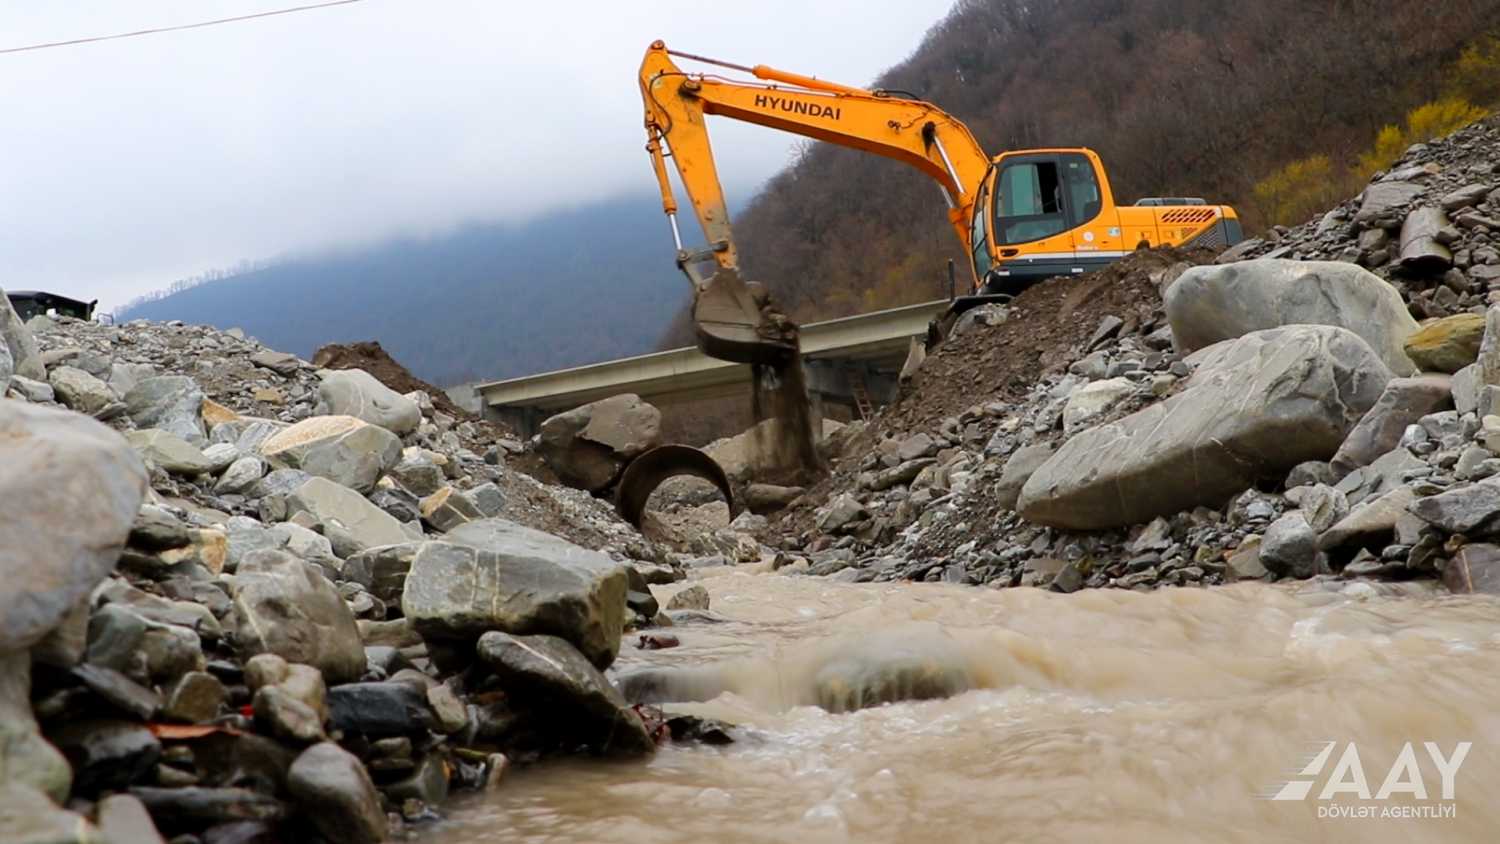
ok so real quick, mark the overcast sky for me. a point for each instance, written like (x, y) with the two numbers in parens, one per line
(128, 164)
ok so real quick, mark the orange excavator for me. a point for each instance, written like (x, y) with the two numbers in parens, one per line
(1022, 216)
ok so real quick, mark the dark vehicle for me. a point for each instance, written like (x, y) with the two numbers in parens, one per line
(30, 303)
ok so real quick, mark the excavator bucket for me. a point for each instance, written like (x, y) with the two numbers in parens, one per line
(733, 322)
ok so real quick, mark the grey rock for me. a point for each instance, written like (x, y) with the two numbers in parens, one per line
(1474, 569)
(279, 713)
(240, 476)
(1467, 510)
(280, 363)
(589, 445)
(387, 567)
(1323, 507)
(30, 390)
(1256, 407)
(1464, 197)
(1210, 304)
(206, 807)
(72, 488)
(1464, 387)
(553, 677)
(132, 644)
(389, 708)
(1019, 468)
(331, 502)
(25, 757)
(768, 498)
(398, 504)
(336, 794)
(1403, 402)
(355, 392)
(123, 819)
(343, 449)
(287, 607)
(488, 498)
(418, 474)
(1290, 547)
(1383, 204)
(840, 513)
(1091, 401)
(1421, 249)
(915, 446)
(1489, 349)
(497, 575)
(168, 451)
(25, 356)
(170, 402)
(80, 391)
(694, 597)
(195, 698)
(28, 817)
(106, 755)
(447, 509)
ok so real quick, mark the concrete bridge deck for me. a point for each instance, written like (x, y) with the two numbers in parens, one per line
(874, 344)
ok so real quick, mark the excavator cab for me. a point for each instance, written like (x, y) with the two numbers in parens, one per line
(1043, 213)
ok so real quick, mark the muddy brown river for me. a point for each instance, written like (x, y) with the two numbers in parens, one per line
(1103, 715)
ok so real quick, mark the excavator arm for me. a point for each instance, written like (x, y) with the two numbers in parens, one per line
(733, 322)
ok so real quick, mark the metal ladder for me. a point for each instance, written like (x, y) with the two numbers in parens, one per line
(860, 391)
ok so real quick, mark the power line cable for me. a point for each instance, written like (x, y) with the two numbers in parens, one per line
(179, 28)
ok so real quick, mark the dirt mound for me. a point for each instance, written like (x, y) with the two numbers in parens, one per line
(1046, 325)
(1046, 329)
(373, 359)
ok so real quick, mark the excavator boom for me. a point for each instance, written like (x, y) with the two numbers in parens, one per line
(732, 320)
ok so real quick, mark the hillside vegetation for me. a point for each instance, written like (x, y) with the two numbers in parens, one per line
(1180, 97)
(489, 301)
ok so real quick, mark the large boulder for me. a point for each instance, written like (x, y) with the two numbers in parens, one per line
(493, 574)
(1403, 402)
(1256, 407)
(343, 449)
(355, 392)
(1209, 304)
(170, 402)
(287, 607)
(328, 502)
(71, 488)
(24, 354)
(548, 675)
(589, 445)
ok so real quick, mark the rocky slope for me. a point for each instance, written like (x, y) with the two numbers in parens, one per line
(1258, 417)
(251, 600)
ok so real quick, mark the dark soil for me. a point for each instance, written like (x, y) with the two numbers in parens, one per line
(1047, 324)
(373, 359)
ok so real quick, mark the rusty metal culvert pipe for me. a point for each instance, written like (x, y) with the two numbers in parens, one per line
(645, 474)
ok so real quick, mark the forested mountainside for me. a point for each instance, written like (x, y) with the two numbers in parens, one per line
(1212, 98)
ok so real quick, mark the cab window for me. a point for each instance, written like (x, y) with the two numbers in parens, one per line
(979, 237)
(1044, 196)
(1031, 202)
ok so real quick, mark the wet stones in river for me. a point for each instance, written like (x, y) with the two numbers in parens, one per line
(553, 681)
(493, 574)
